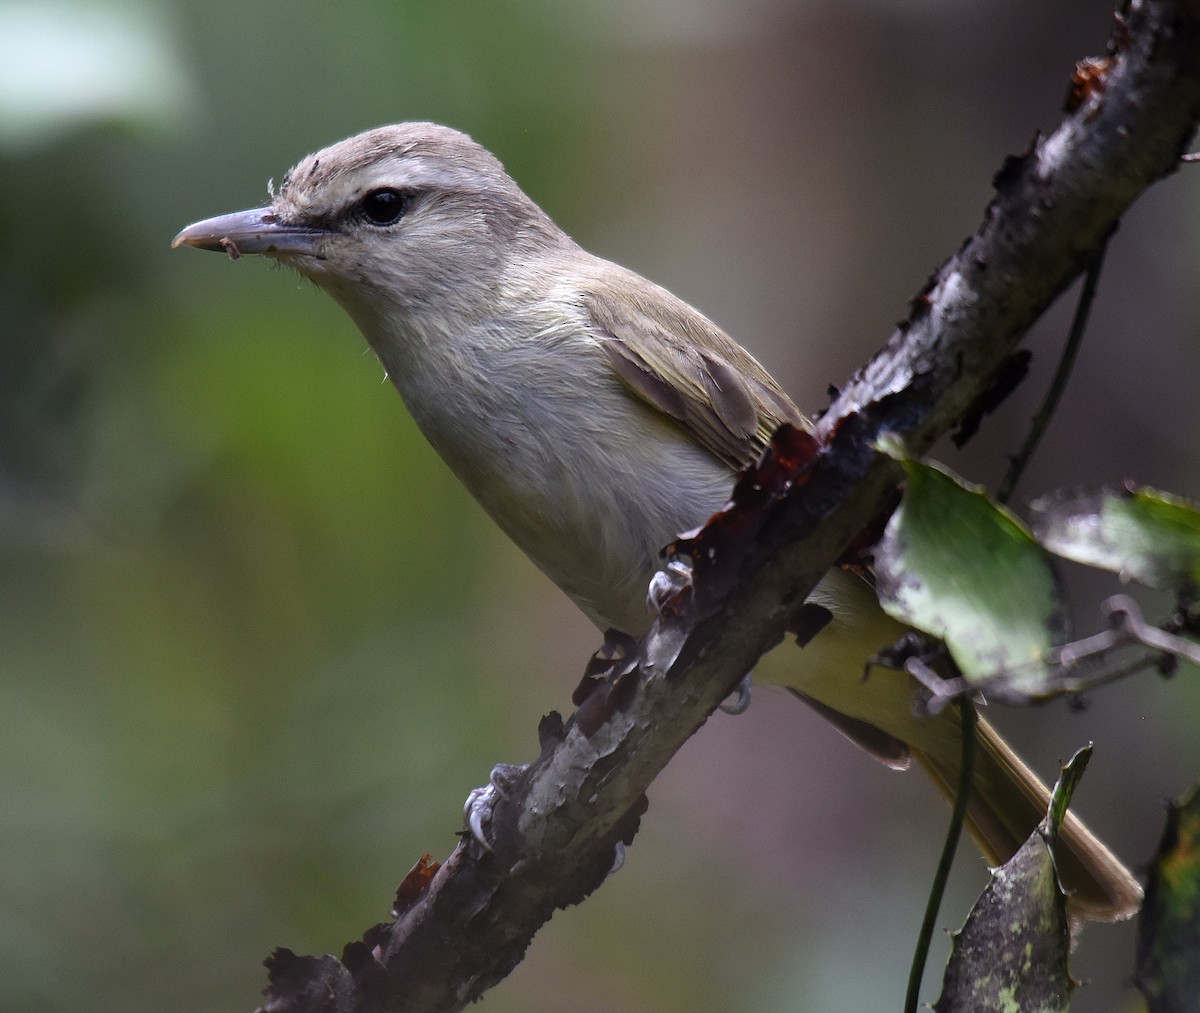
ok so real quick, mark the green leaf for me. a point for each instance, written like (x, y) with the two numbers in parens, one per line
(1168, 949)
(954, 564)
(1142, 534)
(1064, 788)
(1011, 955)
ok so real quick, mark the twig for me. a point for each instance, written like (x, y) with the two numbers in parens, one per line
(937, 888)
(1066, 362)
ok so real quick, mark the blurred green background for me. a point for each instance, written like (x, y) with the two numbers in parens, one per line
(255, 643)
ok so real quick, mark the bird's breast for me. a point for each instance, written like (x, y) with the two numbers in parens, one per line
(589, 482)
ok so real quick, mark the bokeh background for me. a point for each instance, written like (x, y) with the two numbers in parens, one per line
(255, 643)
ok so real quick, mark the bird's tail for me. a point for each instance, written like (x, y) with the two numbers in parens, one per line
(1008, 800)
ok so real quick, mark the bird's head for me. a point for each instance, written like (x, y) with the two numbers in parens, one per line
(395, 221)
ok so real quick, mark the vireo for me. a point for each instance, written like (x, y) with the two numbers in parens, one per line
(594, 415)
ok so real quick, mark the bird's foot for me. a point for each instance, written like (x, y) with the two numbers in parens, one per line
(670, 587)
(738, 702)
(481, 802)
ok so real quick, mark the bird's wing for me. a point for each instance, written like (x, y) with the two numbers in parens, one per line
(678, 362)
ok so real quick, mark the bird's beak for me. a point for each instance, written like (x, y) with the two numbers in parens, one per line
(258, 230)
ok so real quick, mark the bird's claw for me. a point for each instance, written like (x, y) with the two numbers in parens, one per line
(670, 587)
(738, 702)
(481, 802)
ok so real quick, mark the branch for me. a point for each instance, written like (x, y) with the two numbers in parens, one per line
(462, 929)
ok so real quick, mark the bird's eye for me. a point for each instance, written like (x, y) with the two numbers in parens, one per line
(383, 206)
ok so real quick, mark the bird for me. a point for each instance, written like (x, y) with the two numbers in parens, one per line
(594, 415)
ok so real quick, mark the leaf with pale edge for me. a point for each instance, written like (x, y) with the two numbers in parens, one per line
(1142, 534)
(957, 565)
(1012, 952)
(1168, 950)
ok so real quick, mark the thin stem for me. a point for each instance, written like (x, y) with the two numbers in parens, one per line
(942, 876)
(1066, 363)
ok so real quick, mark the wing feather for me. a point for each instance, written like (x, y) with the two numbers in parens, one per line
(682, 365)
